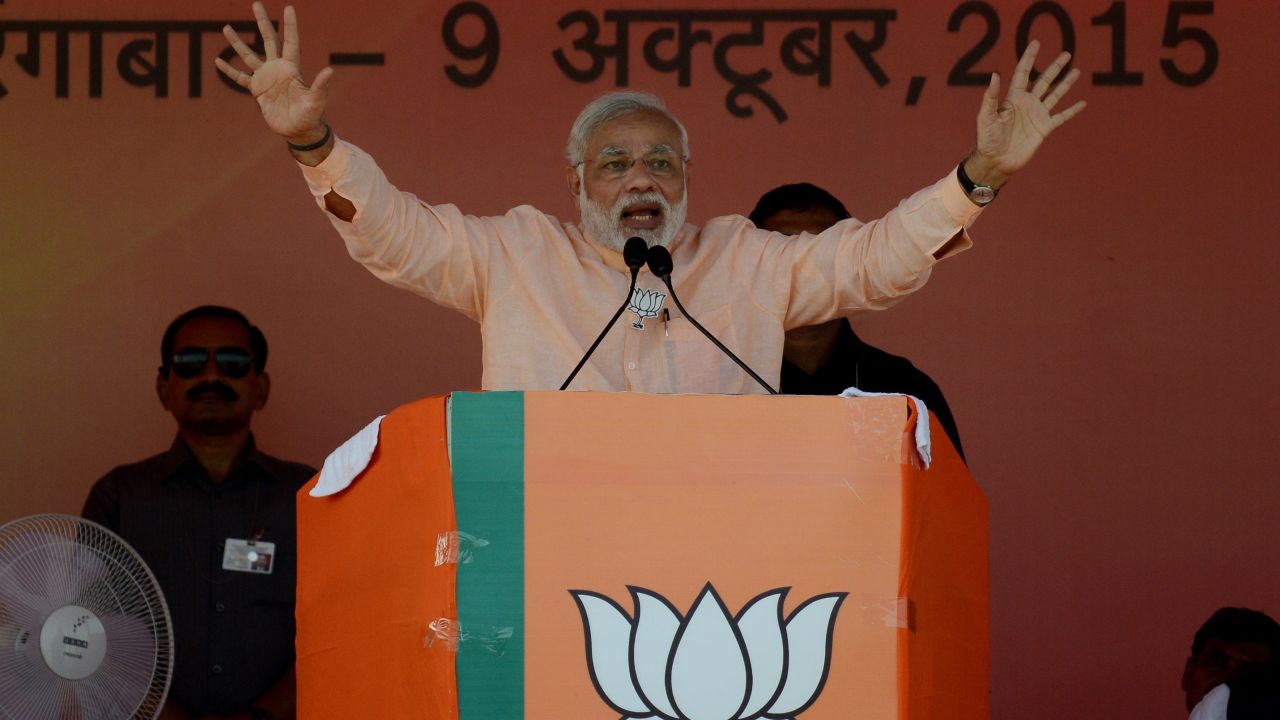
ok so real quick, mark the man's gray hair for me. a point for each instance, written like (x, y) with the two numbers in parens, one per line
(606, 108)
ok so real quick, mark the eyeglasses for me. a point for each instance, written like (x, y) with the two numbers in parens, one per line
(234, 362)
(660, 165)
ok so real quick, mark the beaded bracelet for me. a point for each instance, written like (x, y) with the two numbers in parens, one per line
(328, 133)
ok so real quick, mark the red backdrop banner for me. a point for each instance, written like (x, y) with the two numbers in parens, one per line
(1107, 346)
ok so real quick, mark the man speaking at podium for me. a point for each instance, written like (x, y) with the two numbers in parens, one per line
(542, 289)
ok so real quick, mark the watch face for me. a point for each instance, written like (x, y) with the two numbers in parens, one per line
(982, 195)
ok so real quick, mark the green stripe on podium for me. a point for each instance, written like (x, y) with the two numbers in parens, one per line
(487, 436)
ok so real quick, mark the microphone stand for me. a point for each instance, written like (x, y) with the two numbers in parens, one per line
(660, 265)
(633, 253)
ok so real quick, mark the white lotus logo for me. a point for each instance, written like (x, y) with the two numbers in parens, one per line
(708, 665)
(645, 303)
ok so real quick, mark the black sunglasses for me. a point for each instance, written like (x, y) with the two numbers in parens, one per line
(234, 362)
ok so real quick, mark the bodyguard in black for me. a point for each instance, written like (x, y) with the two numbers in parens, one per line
(829, 358)
(854, 363)
(214, 519)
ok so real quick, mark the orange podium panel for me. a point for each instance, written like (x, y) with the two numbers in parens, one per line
(612, 555)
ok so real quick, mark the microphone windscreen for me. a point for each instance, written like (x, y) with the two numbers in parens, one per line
(659, 261)
(633, 253)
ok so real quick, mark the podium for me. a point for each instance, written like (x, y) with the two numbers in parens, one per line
(603, 555)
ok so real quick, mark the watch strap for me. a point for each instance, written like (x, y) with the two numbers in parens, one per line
(978, 194)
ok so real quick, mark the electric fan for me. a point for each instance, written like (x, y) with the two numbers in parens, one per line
(84, 630)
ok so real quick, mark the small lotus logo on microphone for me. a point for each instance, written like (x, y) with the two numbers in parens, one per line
(645, 303)
(708, 665)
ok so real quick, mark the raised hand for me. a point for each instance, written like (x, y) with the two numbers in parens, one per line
(1009, 132)
(291, 108)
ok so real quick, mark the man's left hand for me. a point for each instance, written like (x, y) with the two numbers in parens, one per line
(1009, 132)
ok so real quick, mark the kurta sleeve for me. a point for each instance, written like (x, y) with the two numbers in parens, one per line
(855, 265)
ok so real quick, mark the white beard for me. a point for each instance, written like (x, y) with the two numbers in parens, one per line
(605, 225)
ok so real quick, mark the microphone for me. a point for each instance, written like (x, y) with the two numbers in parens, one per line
(633, 254)
(660, 265)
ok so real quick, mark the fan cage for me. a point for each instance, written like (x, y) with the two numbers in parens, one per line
(51, 561)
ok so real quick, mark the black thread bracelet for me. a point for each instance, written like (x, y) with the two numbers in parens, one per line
(328, 133)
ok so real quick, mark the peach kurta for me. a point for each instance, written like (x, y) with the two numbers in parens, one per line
(542, 291)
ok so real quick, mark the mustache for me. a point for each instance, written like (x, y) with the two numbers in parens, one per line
(223, 392)
(652, 196)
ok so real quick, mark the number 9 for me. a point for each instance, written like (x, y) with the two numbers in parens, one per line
(487, 48)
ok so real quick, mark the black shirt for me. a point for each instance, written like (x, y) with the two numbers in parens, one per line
(233, 631)
(856, 364)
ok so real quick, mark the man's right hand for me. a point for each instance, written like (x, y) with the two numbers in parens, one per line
(294, 110)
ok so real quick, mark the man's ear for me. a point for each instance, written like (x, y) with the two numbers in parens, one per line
(162, 390)
(574, 183)
(262, 391)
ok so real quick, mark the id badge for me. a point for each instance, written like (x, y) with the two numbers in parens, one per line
(249, 556)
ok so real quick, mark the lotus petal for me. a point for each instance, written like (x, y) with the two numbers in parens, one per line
(809, 632)
(655, 631)
(760, 624)
(709, 677)
(608, 631)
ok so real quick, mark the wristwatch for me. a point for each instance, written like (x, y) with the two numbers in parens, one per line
(978, 194)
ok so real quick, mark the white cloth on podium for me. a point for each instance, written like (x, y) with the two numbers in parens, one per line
(923, 447)
(349, 460)
(1213, 706)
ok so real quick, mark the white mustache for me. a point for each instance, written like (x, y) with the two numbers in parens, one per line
(604, 223)
(645, 198)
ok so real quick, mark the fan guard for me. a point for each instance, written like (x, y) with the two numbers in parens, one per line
(84, 629)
